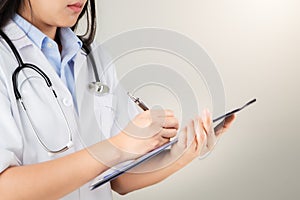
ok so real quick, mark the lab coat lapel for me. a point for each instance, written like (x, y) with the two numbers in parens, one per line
(16, 35)
(30, 53)
(81, 77)
(41, 61)
(85, 102)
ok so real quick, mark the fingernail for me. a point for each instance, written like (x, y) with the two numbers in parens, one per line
(203, 115)
(196, 125)
(207, 113)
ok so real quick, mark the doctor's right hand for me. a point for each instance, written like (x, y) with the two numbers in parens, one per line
(147, 131)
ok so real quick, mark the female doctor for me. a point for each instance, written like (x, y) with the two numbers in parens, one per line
(42, 155)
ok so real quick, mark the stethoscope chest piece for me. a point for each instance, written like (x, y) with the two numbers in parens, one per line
(98, 88)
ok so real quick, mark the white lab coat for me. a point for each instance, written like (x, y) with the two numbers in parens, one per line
(96, 115)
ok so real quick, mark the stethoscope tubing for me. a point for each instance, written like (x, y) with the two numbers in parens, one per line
(96, 87)
(21, 66)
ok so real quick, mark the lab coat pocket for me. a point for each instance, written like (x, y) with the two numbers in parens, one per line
(105, 114)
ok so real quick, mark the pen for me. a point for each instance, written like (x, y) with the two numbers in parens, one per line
(154, 152)
(139, 102)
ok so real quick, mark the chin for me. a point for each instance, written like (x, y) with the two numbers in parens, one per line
(67, 24)
(69, 21)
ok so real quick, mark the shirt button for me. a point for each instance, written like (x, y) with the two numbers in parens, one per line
(67, 102)
(49, 44)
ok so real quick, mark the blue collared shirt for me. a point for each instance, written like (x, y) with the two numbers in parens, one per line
(63, 62)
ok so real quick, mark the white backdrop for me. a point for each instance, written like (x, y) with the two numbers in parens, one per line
(255, 46)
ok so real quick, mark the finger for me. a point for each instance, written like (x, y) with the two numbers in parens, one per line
(158, 141)
(202, 144)
(169, 113)
(161, 113)
(190, 133)
(168, 133)
(207, 123)
(170, 122)
(182, 139)
(197, 127)
(202, 136)
(193, 146)
(225, 125)
(228, 121)
(163, 118)
(163, 141)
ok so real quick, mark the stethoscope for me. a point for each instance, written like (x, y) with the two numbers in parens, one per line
(95, 87)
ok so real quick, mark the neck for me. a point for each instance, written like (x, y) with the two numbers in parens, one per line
(48, 30)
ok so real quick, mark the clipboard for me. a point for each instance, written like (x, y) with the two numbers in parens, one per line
(121, 170)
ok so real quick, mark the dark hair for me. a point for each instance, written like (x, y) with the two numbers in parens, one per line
(89, 11)
(8, 8)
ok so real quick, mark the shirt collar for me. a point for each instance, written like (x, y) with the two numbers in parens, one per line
(67, 36)
(34, 34)
(69, 41)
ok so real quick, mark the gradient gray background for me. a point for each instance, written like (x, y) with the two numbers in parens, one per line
(255, 46)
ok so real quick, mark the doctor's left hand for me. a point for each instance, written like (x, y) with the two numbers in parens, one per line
(198, 138)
